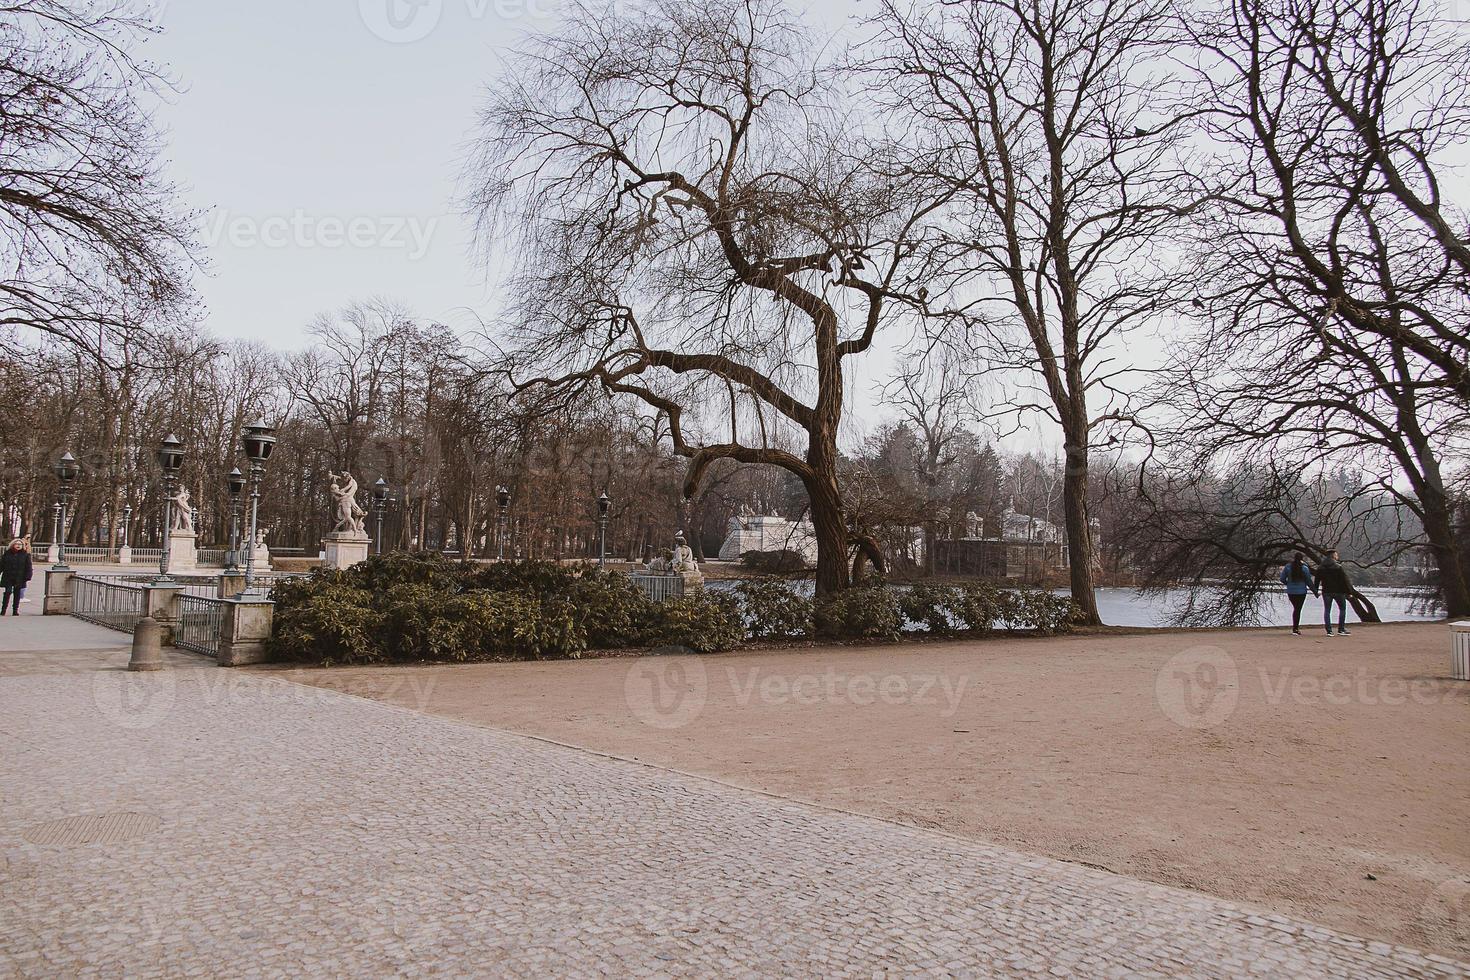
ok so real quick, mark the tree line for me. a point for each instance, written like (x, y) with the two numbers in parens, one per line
(1213, 247)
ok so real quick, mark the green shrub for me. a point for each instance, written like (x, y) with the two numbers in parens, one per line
(977, 607)
(773, 609)
(934, 606)
(1045, 612)
(705, 622)
(614, 611)
(868, 611)
(382, 572)
(541, 577)
(328, 623)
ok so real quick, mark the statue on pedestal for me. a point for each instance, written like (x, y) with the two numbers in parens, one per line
(344, 501)
(183, 513)
(684, 560)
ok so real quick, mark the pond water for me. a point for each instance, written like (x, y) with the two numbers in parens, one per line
(1125, 607)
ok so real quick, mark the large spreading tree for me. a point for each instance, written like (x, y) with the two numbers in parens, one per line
(696, 229)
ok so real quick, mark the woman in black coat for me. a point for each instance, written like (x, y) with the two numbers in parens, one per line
(15, 575)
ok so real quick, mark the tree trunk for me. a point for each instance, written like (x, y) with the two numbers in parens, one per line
(1439, 529)
(831, 534)
(1079, 534)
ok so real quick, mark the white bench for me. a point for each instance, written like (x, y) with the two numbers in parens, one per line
(1460, 651)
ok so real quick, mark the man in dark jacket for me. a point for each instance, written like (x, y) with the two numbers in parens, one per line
(15, 574)
(1332, 579)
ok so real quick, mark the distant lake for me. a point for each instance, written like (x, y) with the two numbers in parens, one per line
(1125, 607)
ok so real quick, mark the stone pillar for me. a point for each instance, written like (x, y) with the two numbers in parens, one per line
(183, 557)
(244, 630)
(53, 555)
(58, 592)
(343, 549)
(125, 555)
(231, 584)
(162, 603)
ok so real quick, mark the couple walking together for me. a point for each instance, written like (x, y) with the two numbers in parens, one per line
(1329, 580)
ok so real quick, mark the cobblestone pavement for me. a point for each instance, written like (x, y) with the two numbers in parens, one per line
(244, 825)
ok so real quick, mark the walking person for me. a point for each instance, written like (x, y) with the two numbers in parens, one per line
(15, 574)
(1297, 578)
(1332, 579)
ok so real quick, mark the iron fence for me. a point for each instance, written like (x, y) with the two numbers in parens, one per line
(200, 618)
(115, 604)
(660, 587)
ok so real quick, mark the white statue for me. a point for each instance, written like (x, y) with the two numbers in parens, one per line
(344, 499)
(259, 538)
(683, 556)
(183, 513)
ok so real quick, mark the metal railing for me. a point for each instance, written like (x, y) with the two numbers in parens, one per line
(200, 618)
(660, 587)
(114, 604)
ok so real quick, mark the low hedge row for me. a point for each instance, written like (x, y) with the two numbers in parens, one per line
(422, 607)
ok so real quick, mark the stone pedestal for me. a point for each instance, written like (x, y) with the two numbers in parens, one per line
(244, 630)
(343, 549)
(58, 592)
(232, 584)
(693, 581)
(162, 603)
(53, 555)
(262, 558)
(125, 555)
(183, 557)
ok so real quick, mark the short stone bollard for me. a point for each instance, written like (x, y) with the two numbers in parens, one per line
(1460, 651)
(147, 645)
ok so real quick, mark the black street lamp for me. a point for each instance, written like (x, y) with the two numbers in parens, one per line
(66, 470)
(170, 462)
(258, 439)
(127, 520)
(381, 493)
(236, 481)
(502, 496)
(604, 503)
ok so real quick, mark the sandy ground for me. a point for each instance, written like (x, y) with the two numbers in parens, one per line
(1325, 778)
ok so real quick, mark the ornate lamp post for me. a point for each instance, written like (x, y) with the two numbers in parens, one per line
(502, 497)
(236, 481)
(381, 493)
(66, 471)
(604, 502)
(170, 461)
(127, 520)
(259, 439)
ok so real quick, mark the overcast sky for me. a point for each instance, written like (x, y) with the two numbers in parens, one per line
(322, 140)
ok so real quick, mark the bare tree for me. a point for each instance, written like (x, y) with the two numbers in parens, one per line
(697, 232)
(1332, 289)
(88, 232)
(1051, 132)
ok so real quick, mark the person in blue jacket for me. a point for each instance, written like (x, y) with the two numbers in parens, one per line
(1297, 578)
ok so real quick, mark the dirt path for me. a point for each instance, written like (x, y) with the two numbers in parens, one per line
(1325, 778)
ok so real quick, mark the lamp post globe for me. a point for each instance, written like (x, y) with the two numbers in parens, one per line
(258, 441)
(604, 504)
(66, 470)
(236, 482)
(381, 494)
(502, 497)
(170, 457)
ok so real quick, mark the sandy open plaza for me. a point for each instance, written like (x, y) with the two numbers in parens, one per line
(1165, 804)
